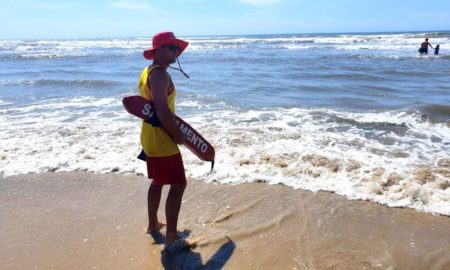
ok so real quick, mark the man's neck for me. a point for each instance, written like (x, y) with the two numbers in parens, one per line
(164, 66)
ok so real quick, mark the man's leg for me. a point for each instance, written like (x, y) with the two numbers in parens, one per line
(173, 205)
(153, 199)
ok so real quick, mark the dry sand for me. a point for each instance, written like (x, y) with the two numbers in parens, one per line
(87, 221)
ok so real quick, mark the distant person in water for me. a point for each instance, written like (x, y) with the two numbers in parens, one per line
(436, 49)
(424, 47)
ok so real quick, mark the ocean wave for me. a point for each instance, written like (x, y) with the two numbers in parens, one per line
(350, 76)
(382, 157)
(98, 84)
(55, 108)
(423, 35)
(440, 56)
(401, 55)
(435, 35)
(252, 40)
(395, 158)
(41, 49)
(54, 49)
(393, 39)
(51, 55)
(436, 112)
(296, 47)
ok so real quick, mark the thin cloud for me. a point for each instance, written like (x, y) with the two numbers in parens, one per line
(52, 6)
(260, 3)
(134, 6)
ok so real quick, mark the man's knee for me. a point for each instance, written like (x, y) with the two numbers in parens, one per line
(155, 187)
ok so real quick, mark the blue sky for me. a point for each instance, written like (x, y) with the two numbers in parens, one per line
(142, 18)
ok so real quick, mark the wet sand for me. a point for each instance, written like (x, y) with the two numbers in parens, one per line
(88, 221)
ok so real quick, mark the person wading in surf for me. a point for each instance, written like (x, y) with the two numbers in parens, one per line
(424, 47)
(436, 49)
(160, 143)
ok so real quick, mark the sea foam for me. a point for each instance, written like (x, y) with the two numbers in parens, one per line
(394, 158)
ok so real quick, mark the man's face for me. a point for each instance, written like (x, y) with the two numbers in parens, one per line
(169, 53)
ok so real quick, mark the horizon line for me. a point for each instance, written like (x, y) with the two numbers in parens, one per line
(235, 35)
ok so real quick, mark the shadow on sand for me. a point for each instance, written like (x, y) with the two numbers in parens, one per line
(187, 259)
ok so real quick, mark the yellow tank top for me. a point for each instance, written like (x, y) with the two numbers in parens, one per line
(154, 140)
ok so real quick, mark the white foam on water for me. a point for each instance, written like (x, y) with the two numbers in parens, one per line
(405, 164)
(70, 135)
(357, 42)
(62, 48)
(294, 148)
(297, 47)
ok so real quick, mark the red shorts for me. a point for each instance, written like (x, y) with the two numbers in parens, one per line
(166, 170)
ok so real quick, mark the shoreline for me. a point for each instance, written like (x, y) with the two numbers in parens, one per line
(79, 220)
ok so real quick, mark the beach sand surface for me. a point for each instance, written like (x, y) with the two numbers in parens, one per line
(80, 220)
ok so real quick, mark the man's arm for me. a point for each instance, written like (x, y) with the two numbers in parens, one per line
(429, 44)
(159, 83)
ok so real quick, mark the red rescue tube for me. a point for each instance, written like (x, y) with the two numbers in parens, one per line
(143, 108)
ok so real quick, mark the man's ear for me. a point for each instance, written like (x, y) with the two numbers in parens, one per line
(156, 52)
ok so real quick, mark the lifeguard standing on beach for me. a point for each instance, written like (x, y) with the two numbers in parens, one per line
(164, 161)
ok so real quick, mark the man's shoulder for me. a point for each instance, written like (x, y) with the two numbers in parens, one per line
(159, 72)
(159, 76)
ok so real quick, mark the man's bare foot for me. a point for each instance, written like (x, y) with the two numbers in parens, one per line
(158, 226)
(178, 244)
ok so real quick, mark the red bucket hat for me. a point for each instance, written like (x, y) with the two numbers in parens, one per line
(165, 38)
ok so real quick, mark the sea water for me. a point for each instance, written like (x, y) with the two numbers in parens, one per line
(361, 115)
